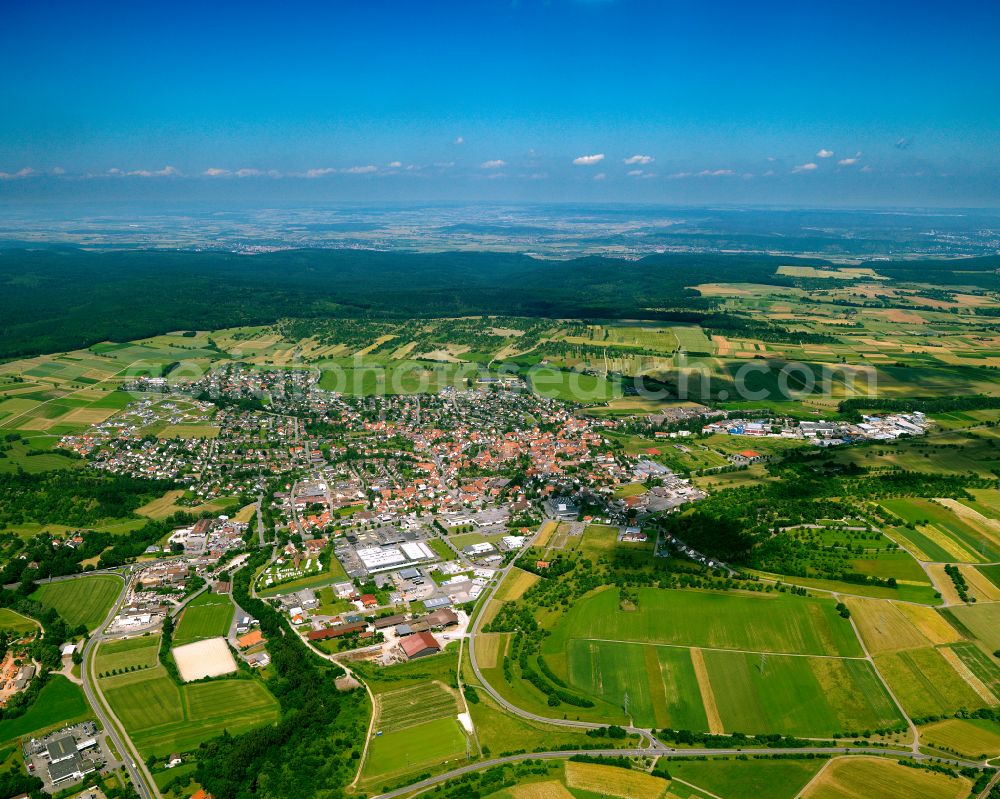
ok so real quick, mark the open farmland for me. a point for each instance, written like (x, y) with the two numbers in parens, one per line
(206, 616)
(755, 622)
(81, 600)
(610, 781)
(971, 738)
(413, 750)
(867, 777)
(982, 620)
(798, 696)
(926, 683)
(747, 779)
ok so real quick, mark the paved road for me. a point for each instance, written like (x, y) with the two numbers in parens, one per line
(260, 523)
(663, 752)
(474, 629)
(137, 771)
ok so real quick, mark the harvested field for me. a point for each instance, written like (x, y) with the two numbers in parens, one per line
(550, 789)
(883, 626)
(707, 696)
(859, 777)
(931, 623)
(944, 584)
(409, 707)
(967, 674)
(516, 584)
(488, 648)
(980, 586)
(969, 737)
(612, 781)
(210, 658)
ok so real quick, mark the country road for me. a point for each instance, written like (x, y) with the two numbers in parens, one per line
(137, 771)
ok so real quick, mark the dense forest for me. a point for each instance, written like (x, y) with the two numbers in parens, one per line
(122, 295)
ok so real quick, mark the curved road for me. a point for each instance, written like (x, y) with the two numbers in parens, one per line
(474, 629)
(137, 771)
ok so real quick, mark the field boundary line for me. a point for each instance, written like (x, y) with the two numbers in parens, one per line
(723, 649)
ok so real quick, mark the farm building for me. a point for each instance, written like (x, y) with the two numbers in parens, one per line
(334, 632)
(389, 621)
(420, 645)
(445, 617)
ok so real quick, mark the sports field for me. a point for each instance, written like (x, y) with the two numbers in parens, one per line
(206, 616)
(59, 702)
(81, 600)
(161, 717)
(758, 623)
(867, 777)
(125, 653)
(209, 657)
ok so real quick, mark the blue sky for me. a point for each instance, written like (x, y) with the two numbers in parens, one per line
(618, 100)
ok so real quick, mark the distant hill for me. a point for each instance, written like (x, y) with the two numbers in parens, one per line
(55, 299)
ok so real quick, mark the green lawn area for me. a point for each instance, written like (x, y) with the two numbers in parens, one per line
(756, 622)
(141, 652)
(161, 717)
(206, 616)
(58, 703)
(81, 600)
(747, 779)
(16, 623)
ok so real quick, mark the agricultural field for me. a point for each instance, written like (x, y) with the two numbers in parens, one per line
(927, 683)
(747, 779)
(59, 702)
(208, 615)
(971, 738)
(981, 620)
(162, 717)
(945, 534)
(755, 622)
(81, 600)
(864, 777)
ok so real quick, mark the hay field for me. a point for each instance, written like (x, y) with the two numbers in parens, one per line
(971, 738)
(516, 584)
(858, 777)
(926, 683)
(612, 781)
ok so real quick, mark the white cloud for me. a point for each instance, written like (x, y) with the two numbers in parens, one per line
(589, 160)
(600, 176)
(395, 164)
(680, 175)
(215, 172)
(115, 171)
(824, 153)
(21, 173)
(166, 172)
(714, 173)
(58, 170)
(247, 172)
(361, 170)
(805, 168)
(459, 140)
(866, 168)
(635, 173)
(496, 163)
(849, 161)
(639, 159)
(768, 173)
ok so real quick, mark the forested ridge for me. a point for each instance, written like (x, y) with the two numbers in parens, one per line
(56, 299)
